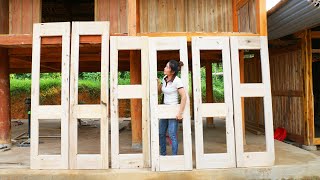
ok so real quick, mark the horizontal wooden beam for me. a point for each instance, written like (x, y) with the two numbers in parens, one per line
(289, 93)
(25, 40)
(315, 34)
(189, 35)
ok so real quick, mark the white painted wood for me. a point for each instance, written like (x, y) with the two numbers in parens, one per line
(130, 92)
(179, 162)
(214, 109)
(167, 111)
(252, 90)
(92, 111)
(79, 111)
(132, 161)
(141, 160)
(213, 160)
(40, 112)
(248, 159)
(249, 42)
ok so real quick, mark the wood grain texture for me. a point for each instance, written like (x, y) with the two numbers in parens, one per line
(186, 15)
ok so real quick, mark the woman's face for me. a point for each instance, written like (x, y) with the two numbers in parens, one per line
(167, 70)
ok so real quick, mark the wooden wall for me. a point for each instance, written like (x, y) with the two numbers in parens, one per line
(254, 114)
(155, 15)
(186, 16)
(286, 71)
(4, 16)
(22, 15)
(114, 11)
(247, 17)
(286, 74)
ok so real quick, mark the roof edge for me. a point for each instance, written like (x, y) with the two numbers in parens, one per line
(275, 8)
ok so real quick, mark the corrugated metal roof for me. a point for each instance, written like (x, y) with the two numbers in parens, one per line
(292, 17)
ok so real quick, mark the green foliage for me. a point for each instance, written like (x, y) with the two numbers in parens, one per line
(50, 83)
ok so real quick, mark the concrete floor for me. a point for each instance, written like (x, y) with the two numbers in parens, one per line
(288, 158)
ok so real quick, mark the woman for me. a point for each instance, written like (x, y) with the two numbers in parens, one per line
(171, 87)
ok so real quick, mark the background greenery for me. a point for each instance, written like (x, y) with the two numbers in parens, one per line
(50, 83)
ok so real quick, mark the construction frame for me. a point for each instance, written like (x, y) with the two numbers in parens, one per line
(81, 111)
(136, 91)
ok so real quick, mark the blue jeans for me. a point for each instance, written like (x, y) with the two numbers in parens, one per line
(172, 126)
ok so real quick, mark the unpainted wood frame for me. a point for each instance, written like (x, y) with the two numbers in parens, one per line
(50, 112)
(201, 110)
(249, 159)
(92, 111)
(178, 162)
(140, 160)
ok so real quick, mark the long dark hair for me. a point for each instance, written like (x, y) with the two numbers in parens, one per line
(175, 66)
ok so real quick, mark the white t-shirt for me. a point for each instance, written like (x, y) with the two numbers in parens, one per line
(170, 90)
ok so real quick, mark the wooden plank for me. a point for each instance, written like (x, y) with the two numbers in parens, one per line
(4, 17)
(50, 161)
(181, 16)
(315, 34)
(199, 15)
(132, 91)
(191, 17)
(242, 80)
(213, 160)
(229, 16)
(249, 43)
(36, 11)
(309, 134)
(26, 17)
(209, 26)
(153, 17)
(209, 90)
(92, 111)
(123, 16)
(290, 93)
(15, 16)
(261, 14)
(92, 161)
(133, 17)
(114, 16)
(172, 16)
(144, 15)
(24, 40)
(162, 21)
(219, 16)
(240, 3)
(214, 110)
(248, 159)
(102, 9)
(159, 163)
(253, 16)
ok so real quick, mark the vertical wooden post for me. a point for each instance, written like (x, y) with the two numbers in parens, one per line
(209, 91)
(242, 80)
(308, 89)
(5, 119)
(136, 104)
(135, 74)
(235, 16)
(261, 21)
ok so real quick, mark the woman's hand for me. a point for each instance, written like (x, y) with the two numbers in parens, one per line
(179, 116)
